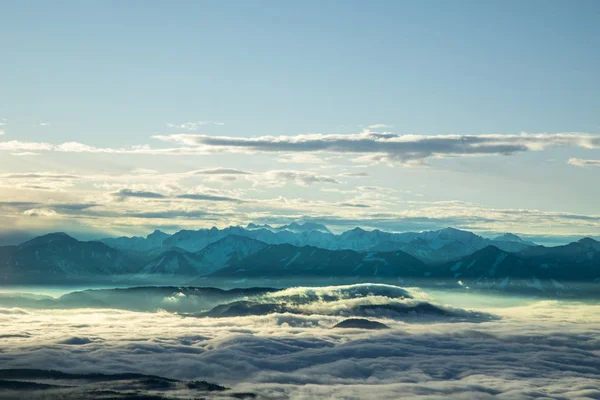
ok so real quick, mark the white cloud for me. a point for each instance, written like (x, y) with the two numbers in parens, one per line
(354, 174)
(193, 126)
(278, 178)
(300, 158)
(379, 126)
(144, 171)
(389, 147)
(578, 162)
(40, 212)
(546, 348)
(410, 150)
(38, 180)
(219, 171)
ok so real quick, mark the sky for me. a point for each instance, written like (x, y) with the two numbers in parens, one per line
(118, 118)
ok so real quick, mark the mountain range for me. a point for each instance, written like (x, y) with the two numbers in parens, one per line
(301, 250)
(430, 246)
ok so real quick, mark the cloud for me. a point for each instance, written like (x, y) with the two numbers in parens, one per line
(144, 171)
(300, 158)
(390, 147)
(410, 150)
(193, 126)
(54, 206)
(535, 349)
(303, 178)
(128, 193)
(38, 180)
(38, 175)
(354, 174)
(219, 171)
(169, 214)
(355, 205)
(273, 178)
(123, 194)
(24, 154)
(379, 126)
(40, 212)
(578, 162)
(207, 197)
(16, 145)
(17, 204)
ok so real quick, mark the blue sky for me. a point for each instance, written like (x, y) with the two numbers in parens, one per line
(144, 76)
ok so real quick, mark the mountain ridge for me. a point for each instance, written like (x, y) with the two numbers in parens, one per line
(429, 246)
(58, 257)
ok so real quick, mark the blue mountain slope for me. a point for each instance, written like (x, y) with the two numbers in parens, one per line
(287, 260)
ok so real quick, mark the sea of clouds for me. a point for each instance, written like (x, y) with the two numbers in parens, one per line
(526, 349)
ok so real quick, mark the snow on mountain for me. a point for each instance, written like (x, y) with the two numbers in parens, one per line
(304, 227)
(235, 251)
(295, 227)
(430, 246)
(252, 226)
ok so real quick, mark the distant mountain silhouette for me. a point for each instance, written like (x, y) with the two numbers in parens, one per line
(49, 384)
(430, 246)
(58, 257)
(360, 323)
(238, 252)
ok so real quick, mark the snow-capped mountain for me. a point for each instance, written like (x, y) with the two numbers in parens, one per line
(430, 246)
(445, 244)
(293, 227)
(239, 252)
(304, 227)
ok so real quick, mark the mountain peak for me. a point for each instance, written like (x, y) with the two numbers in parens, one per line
(48, 238)
(253, 226)
(305, 227)
(452, 233)
(450, 229)
(354, 231)
(508, 237)
(589, 242)
(157, 234)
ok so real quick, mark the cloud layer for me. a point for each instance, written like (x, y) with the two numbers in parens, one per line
(537, 348)
(390, 146)
(375, 146)
(578, 162)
